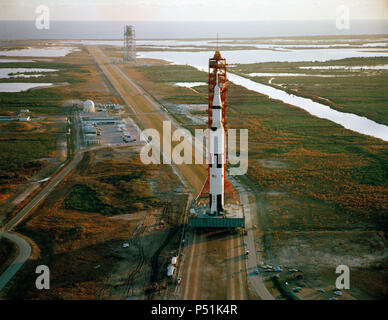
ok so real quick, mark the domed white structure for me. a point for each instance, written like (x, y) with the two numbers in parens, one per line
(89, 106)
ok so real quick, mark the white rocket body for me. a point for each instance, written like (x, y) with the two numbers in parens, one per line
(217, 156)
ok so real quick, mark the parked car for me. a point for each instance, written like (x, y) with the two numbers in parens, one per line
(278, 269)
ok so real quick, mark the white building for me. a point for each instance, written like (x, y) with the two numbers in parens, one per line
(89, 106)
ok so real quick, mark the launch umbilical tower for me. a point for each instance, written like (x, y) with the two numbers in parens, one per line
(129, 44)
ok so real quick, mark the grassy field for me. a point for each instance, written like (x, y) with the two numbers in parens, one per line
(164, 76)
(361, 92)
(23, 149)
(109, 194)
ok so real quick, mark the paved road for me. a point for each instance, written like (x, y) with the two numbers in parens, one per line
(24, 254)
(24, 246)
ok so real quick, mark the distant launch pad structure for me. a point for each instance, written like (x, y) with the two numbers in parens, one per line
(129, 44)
(216, 214)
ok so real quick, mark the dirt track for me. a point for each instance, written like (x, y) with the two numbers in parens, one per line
(213, 264)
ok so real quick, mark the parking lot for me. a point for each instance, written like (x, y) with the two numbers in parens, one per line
(101, 128)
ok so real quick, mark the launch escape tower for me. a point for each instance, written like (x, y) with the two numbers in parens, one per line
(217, 214)
(129, 44)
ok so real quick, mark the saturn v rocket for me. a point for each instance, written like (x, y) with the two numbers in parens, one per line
(217, 155)
(218, 84)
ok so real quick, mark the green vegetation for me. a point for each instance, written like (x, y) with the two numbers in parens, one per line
(312, 173)
(173, 73)
(164, 76)
(84, 198)
(111, 194)
(361, 92)
(7, 253)
(20, 153)
(43, 101)
(294, 67)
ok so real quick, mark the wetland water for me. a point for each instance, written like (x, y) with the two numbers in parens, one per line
(190, 84)
(380, 67)
(38, 52)
(20, 72)
(347, 120)
(20, 86)
(258, 56)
